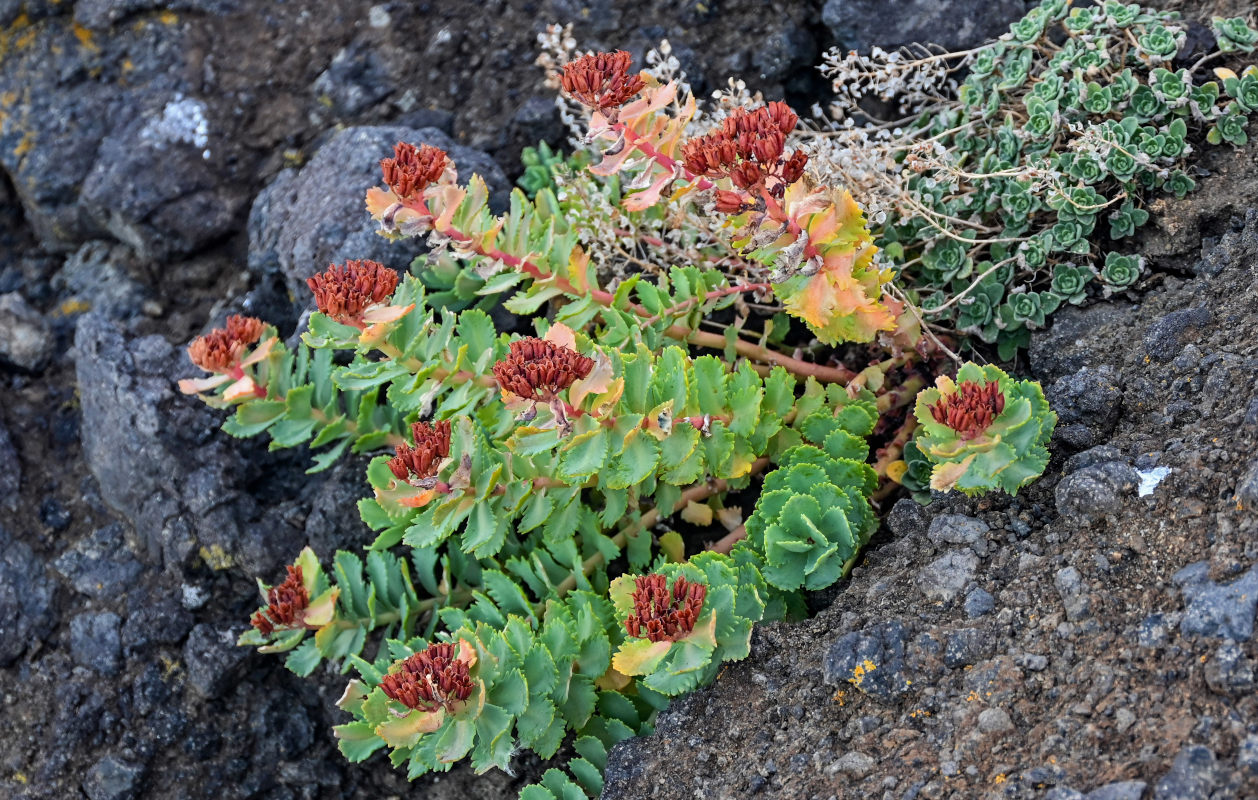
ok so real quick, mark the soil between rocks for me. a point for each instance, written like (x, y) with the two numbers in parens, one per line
(1064, 648)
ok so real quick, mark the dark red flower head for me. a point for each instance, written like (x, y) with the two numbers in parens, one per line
(412, 169)
(749, 149)
(284, 603)
(344, 292)
(661, 615)
(432, 443)
(536, 369)
(221, 349)
(431, 679)
(601, 80)
(971, 410)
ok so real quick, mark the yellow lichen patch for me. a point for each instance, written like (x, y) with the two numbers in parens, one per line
(840, 697)
(999, 779)
(85, 38)
(170, 665)
(7, 99)
(215, 557)
(168, 17)
(862, 669)
(25, 145)
(72, 306)
(20, 777)
(127, 66)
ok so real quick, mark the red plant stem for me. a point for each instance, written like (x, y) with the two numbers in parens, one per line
(237, 372)
(706, 339)
(647, 149)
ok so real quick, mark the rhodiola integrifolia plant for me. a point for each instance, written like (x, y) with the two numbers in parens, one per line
(1006, 169)
(524, 587)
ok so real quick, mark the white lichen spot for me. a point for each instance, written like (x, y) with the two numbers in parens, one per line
(183, 121)
(378, 17)
(1150, 478)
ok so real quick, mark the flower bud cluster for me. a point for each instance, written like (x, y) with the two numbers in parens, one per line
(432, 444)
(412, 169)
(285, 603)
(660, 615)
(536, 369)
(222, 349)
(432, 679)
(971, 410)
(345, 292)
(601, 80)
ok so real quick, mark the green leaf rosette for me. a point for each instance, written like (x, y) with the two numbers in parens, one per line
(988, 438)
(688, 640)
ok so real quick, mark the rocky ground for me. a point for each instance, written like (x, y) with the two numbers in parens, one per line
(169, 161)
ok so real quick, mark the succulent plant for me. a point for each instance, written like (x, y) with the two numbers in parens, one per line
(984, 430)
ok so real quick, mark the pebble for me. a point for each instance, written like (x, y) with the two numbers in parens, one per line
(213, 659)
(26, 339)
(1219, 610)
(994, 720)
(856, 764)
(1192, 776)
(945, 577)
(978, 602)
(1073, 594)
(96, 642)
(1122, 790)
(1164, 338)
(112, 778)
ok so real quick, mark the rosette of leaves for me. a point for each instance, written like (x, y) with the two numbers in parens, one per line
(1070, 283)
(1234, 34)
(915, 476)
(1120, 272)
(681, 649)
(813, 513)
(984, 430)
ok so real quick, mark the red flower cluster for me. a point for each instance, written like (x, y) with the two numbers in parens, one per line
(221, 349)
(432, 443)
(344, 292)
(971, 410)
(536, 369)
(432, 679)
(412, 169)
(660, 615)
(749, 149)
(601, 80)
(284, 603)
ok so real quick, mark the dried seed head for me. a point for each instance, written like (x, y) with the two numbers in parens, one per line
(284, 603)
(221, 349)
(412, 169)
(536, 369)
(971, 409)
(431, 679)
(602, 81)
(661, 615)
(344, 292)
(432, 443)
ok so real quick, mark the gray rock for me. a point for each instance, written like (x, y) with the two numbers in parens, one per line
(954, 24)
(213, 659)
(1122, 790)
(978, 602)
(10, 471)
(96, 642)
(26, 340)
(113, 778)
(1228, 671)
(1074, 342)
(1063, 793)
(956, 529)
(100, 15)
(356, 79)
(1247, 488)
(27, 610)
(1247, 755)
(1073, 593)
(98, 276)
(100, 565)
(882, 645)
(994, 720)
(782, 51)
(1219, 610)
(856, 764)
(1089, 398)
(1192, 776)
(1153, 631)
(1164, 338)
(964, 647)
(307, 219)
(1094, 492)
(907, 518)
(52, 139)
(945, 577)
(157, 185)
